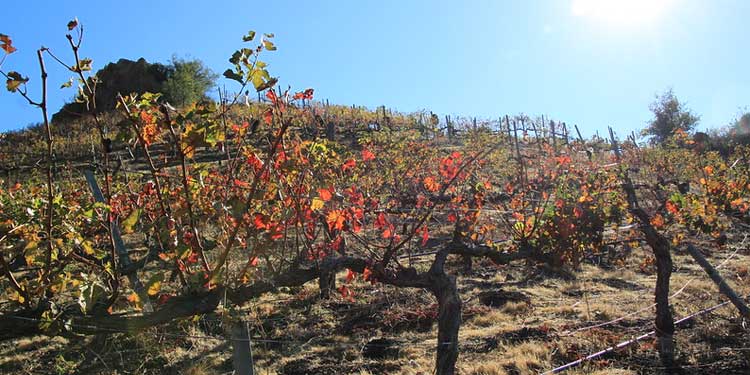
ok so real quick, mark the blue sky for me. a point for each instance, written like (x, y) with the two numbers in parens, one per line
(574, 60)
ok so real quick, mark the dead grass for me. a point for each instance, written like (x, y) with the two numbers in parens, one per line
(327, 337)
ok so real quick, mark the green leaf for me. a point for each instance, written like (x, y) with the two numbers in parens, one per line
(90, 291)
(83, 66)
(236, 56)
(249, 37)
(229, 73)
(262, 83)
(14, 81)
(130, 221)
(269, 45)
(67, 84)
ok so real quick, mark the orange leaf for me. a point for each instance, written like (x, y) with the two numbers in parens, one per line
(430, 184)
(657, 221)
(335, 220)
(325, 194)
(6, 44)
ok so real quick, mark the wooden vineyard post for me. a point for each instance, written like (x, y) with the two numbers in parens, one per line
(554, 136)
(507, 123)
(242, 351)
(330, 131)
(122, 251)
(580, 138)
(724, 288)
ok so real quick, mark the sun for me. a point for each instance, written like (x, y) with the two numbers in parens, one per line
(621, 13)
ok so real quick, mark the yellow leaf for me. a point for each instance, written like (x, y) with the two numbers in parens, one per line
(130, 221)
(317, 204)
(18, 297)
(154, 284)
(87, 248)
(154, 288)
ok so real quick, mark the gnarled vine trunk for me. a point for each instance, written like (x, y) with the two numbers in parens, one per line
(449, 322)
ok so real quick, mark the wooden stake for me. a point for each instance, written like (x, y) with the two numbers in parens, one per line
(724, 288)
(122, 251)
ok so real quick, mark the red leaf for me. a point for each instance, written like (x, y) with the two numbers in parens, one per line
(259, 222)
(346, 293)
(307, 94)
(163, 298)
(559, 203)
(562, 160)
(349, 164)
(425, 236)
(255, 162)
(577, 212)
(268, 116)
(367, 155)
(271, 95)
(452, 218)
(350, 275)
(381, 221)
(254, 261)
(367, 274)
(240, 183)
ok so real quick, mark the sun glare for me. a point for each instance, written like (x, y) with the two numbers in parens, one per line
(621, 13)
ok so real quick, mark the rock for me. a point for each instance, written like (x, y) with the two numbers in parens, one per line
(498, 298)
(381, 348)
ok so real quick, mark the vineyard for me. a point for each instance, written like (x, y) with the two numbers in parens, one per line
(286, 235)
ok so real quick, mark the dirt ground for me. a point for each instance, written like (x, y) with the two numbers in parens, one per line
(517, 320)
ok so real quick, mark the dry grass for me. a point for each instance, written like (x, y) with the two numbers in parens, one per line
(515, 338)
